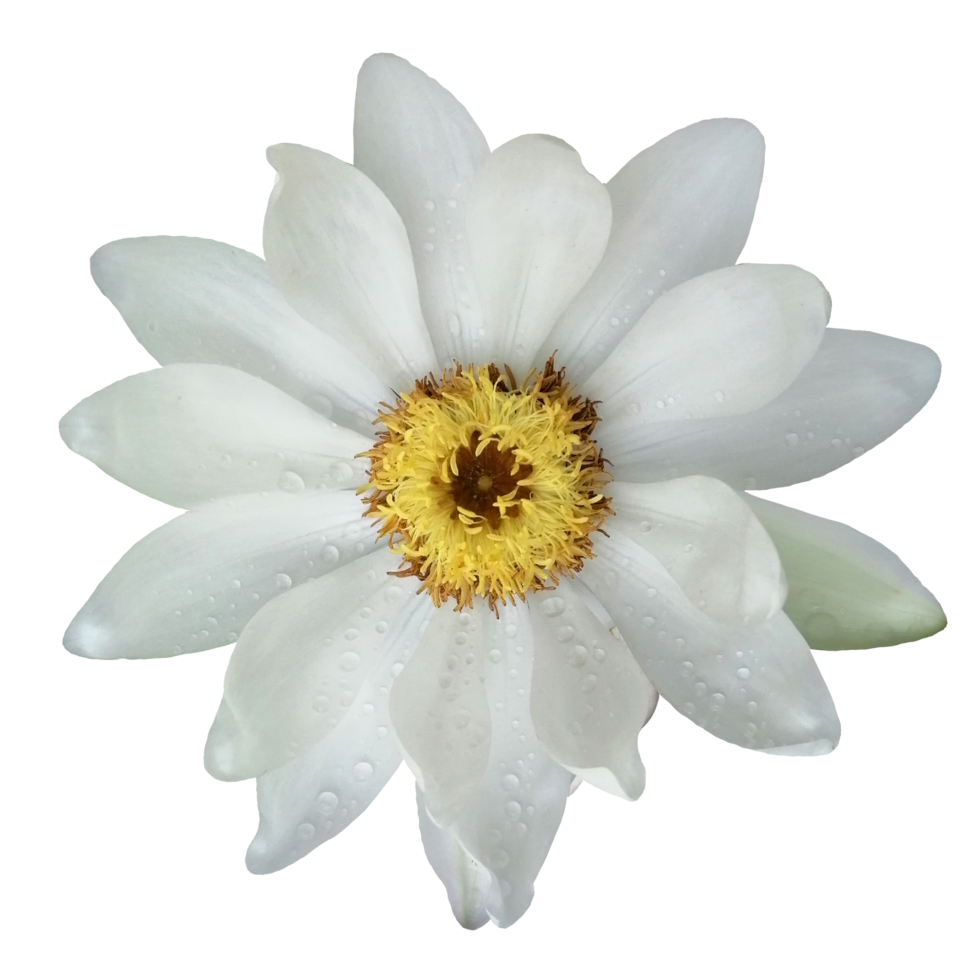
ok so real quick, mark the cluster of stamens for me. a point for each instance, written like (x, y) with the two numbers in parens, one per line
(487, 487)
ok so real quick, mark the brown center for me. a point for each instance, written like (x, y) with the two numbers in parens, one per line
(483, 479)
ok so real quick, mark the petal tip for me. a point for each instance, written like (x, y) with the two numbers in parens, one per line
(819, 746)
(87, 638)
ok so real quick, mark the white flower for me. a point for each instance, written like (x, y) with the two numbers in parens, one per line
(563, 620)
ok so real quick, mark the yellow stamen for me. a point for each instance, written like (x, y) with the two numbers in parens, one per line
(486, 488)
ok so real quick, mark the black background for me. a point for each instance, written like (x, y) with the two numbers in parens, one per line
(182, 154)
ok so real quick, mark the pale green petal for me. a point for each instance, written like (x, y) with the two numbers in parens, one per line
(846, 591)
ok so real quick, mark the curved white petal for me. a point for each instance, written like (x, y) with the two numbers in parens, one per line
(440, 714)
(725, 343)
(194, 583)
(758, 688)
(338, 252)
(315, 796)
(190, 300)
(537, 223)
(420, 146)
(192, 432)
(846, 591)
(510, 820)
(301, 663)
(710, 543)
(467, 881)
(589, 698)
(682, 207)
(858, 389)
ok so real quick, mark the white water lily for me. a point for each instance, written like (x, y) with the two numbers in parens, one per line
(479, 305)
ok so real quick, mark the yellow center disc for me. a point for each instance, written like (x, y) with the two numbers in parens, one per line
(487, 487)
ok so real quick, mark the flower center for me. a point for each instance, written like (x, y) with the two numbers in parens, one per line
(487, 487)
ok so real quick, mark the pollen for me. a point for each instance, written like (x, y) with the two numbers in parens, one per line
(488, 489)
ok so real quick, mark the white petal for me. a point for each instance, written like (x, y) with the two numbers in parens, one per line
(682, 207)
(759, 687)
(338, 251)
(194, 583)
(440, 713)
(589, 698)
(710, 542)
(846, 591)
(538, 223)
(467, 881)
(301, 663)
(190, 300)
(511, 819)
(314, 797)
(420, 146)
(725, 343)
(858, 389)
(192, 432)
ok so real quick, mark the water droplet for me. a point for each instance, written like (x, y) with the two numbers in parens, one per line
(327, 802)
(381, 626)
(283, 581)
(599, 654)
(791, 438)
(661, 403)
(429, 205)
(363, 771)
(320, 703)
(717, 701)
(454, 324)
(350, 661)
(341, 472)
(462, 718)
(836, 443)
(743, 673)
(291, 482)
(750, 729)
(554, 606)
(429, 247)
(614, 321)
(347, 698)
(700, 688)
(648, 622)
(451, 202)
(510, 630)
(663, 272)
(305, 831)
(645, 526)
(494, 656)
(460, 639)
(396, 669)
(687, 669)
(330, 554)
(368, 709)
(565, 633)
(649, 292)
(719, 396)
(857, 450)
(351, 634)
(365, 613)
(512, 810)
(752, 707)
(510, 782)
(382, 731)
(574, 728)
(589, 683)
(578, 656)
(499, 859)
(689, 708)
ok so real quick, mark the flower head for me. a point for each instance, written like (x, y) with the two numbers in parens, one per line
(396, 437)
